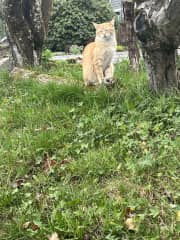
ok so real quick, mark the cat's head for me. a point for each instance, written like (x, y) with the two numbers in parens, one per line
(105, 31)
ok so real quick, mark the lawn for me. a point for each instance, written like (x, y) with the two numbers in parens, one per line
(88, 163)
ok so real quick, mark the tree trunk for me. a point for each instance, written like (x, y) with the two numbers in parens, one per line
(133, 51)
(161, 66)
(2, 26)
(158, 28)
(26, 23)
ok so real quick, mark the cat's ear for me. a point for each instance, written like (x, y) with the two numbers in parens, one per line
(95, 25)
(113, 21)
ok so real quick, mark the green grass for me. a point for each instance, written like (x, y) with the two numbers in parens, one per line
(117, 154)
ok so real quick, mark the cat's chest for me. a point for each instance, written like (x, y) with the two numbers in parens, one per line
(107, 56)
(108, 52)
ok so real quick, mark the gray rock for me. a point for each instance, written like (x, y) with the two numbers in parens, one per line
(4, 40)
(6, 64)
(5, 56)
(4, 48)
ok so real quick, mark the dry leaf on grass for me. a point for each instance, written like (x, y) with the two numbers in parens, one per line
(31, 225)
(130, 211)
(48, 163)
(19, 182)
(54, 236)
(66, 161)
(26, 225)
(130, 224)
(130, 219)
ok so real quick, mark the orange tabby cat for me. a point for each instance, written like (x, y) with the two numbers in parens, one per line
(97, 56)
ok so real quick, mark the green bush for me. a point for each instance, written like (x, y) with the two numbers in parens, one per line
(74, 49)
(71, 22)
(121, 48)
(47, 55)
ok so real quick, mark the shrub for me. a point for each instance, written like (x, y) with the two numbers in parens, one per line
(71, 22)
(46, 55)
(121, 48)
(74, 49)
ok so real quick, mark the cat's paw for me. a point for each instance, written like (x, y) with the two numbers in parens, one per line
(91, 83)
(108, 82)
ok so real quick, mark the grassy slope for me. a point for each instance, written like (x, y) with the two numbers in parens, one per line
(117, 153)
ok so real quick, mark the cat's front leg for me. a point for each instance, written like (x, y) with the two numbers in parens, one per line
(109, 72)
(98, 67)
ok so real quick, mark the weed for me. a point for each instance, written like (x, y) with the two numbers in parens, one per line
(113, 156)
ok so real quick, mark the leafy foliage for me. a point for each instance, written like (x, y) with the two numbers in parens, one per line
(46, 56)
(121, 48)
(74, 49)
(71, 22)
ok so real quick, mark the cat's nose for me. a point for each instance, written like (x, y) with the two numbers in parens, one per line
(107, 36)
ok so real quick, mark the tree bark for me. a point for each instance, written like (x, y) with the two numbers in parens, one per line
(26, 25)
(161, 67)
(133, 51)
(158, 28)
